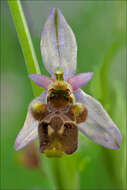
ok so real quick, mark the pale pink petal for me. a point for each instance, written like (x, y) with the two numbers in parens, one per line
(80, 80)
(41, 80)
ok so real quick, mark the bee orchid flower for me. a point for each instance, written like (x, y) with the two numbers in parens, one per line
(63, 96)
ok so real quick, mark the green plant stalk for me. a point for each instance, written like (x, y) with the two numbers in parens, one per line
(25, 41)
(63, 171)
(54, 166)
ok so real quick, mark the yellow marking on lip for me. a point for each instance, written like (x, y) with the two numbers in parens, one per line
(50, 130)
(78, 108)
(55, 150)
(54, 153)
(38, 106)
(61, 130)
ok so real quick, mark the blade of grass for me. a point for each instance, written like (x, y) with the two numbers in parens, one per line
(25, 41)
(105, 90)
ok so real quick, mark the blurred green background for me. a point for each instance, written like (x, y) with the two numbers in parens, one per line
(100, 30)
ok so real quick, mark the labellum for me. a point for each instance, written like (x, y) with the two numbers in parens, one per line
(57, 130)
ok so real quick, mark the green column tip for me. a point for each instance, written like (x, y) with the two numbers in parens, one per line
(58, 73)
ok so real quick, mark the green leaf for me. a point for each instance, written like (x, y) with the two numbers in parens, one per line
(25, 41)
(110, 94)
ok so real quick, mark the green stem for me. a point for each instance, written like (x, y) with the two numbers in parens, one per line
(25, 40)
(62, 172)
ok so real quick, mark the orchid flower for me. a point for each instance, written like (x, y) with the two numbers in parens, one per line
(59, 49)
